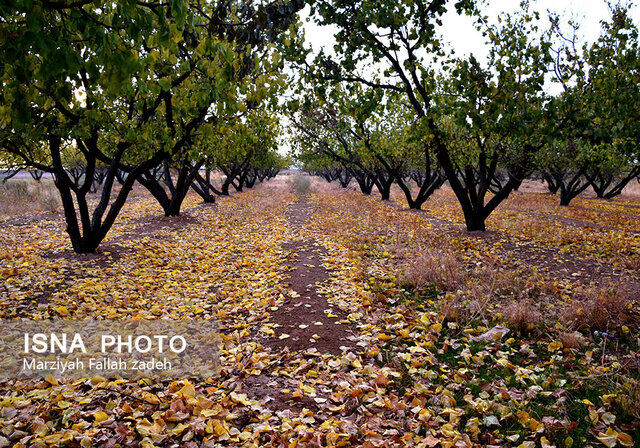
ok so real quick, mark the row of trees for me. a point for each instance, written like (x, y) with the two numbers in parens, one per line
(481, 126)
(135, 91)
(163, 93)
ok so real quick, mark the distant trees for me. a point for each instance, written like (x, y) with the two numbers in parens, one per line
(496, 120)
(483, 125)
(466, 126)
(598, 145)
(368, 137)
(165, 93)
(129, 87)
(614, 93)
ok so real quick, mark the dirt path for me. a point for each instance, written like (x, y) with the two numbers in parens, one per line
(306, 327)
(306, 320)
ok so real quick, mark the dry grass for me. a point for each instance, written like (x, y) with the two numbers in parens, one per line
(454, 309)
(300, 183)
(628, 398)
(20, 196)
(573, 340)
(463, 309)
(602, 309)
(631, 263)
(523, 317)
(435, 267)
(632, 189)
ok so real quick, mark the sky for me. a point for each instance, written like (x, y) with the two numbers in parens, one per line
(462, 36)
(460, 32)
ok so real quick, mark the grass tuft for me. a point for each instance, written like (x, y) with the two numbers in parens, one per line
(300, 183)
(19, 196)
(433, 267)
(602, 309)
(523, 317)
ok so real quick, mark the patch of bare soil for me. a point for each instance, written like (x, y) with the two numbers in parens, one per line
(25, 220)
(306, 325)
(267, 387)
(558, 264)
(158, 226)
(104, 256)
(552, 260)
(303, 321)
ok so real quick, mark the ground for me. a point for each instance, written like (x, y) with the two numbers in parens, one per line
(345, 321)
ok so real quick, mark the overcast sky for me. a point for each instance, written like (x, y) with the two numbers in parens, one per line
(460, 32)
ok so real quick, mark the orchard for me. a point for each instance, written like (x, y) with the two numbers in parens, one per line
(398, 244)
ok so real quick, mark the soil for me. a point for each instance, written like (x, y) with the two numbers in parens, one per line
(557, 264)
(104, 256)
(25, 220)
(157, 226)
(304, 315)
(306, 324)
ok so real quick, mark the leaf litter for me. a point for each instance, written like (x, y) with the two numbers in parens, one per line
(411, 368)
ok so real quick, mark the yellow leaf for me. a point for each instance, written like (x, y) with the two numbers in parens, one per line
(188, 390)
(608, 399)
(100, 416)
(332, 438)
(219, 429)
(151, 398)
(179, 429)
(240, 398)
(309, 390)
(609, 438)
(527, 445)
(545, 443)
(62, 310)
(555, 346)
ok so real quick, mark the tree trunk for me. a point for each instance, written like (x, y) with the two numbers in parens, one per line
(573, 187)
(171, 200)
(430, 183)
(607, 186)
(552, 185)
(87, 230)
(344, 177)
(365, 183)
(383, 183)
(471, 189)
(203, 187)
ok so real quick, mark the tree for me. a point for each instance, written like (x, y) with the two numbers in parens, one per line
(596, 144)
(498, 115)
(399, 36)
(332, 127)
(613, 91)
(150, 73)
(396, 141)
(248, 77)
(54, 47)
(566, 166)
